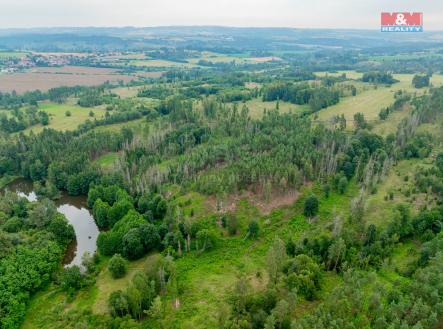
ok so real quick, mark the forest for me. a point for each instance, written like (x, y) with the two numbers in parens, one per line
(260, 185)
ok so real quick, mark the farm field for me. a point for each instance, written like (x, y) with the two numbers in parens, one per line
(75, 70)
(59, 120)
(29, 81)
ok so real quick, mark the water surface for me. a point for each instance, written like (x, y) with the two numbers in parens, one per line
(76, 212)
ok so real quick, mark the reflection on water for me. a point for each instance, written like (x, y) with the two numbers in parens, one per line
(76, 212)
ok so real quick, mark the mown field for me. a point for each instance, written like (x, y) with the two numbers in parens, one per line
(60, 121)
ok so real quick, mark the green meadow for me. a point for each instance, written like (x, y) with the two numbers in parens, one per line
(60, 121)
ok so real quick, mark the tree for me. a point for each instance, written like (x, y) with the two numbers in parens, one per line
(420, 81)
(41, 213)
(232, 224)
(275, 259)
(342, 184)
(68, 113)
(311, 206)
(149, 236)
(326, 190)
(117, 266)
(72, 279)
(100, 212)
(60, 227)
(135, 299)
(206, 239)
(280, 312)
(336, 253)
(270, 322)
(439, 161)
(253, 228)
(13, 225)
(118, 303)
(132, 244)
(118, 210)
(360, 121)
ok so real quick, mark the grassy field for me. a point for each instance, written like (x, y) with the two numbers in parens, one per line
(107, 160)
(134, 125)
(105, 284)
(389, 126)
(368, 102)
(371, 101)
(257, 107)
(379, 207)
(59, 120)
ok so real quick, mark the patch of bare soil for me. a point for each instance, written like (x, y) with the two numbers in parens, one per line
(265, 205)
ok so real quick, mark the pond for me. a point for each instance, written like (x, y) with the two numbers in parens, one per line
(76, 212)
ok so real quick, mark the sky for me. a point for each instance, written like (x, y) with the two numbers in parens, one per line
(358, 14)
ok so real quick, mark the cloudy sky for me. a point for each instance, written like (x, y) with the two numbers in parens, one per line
(362, 14)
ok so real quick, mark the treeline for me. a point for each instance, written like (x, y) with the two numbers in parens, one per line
(379, 77)
(302, 93)
(420, 81)
(33, 238)
(19, 120)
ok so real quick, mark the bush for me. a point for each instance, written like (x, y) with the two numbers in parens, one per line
(13, 225)
(342, 183)
(117, 266)
(72, 279)
(311, 206)
(232, 224)
(253, 228)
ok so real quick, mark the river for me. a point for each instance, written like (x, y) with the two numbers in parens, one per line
(76, 212)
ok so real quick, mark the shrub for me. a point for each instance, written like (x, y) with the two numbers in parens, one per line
(311, 206)
(117, 266)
